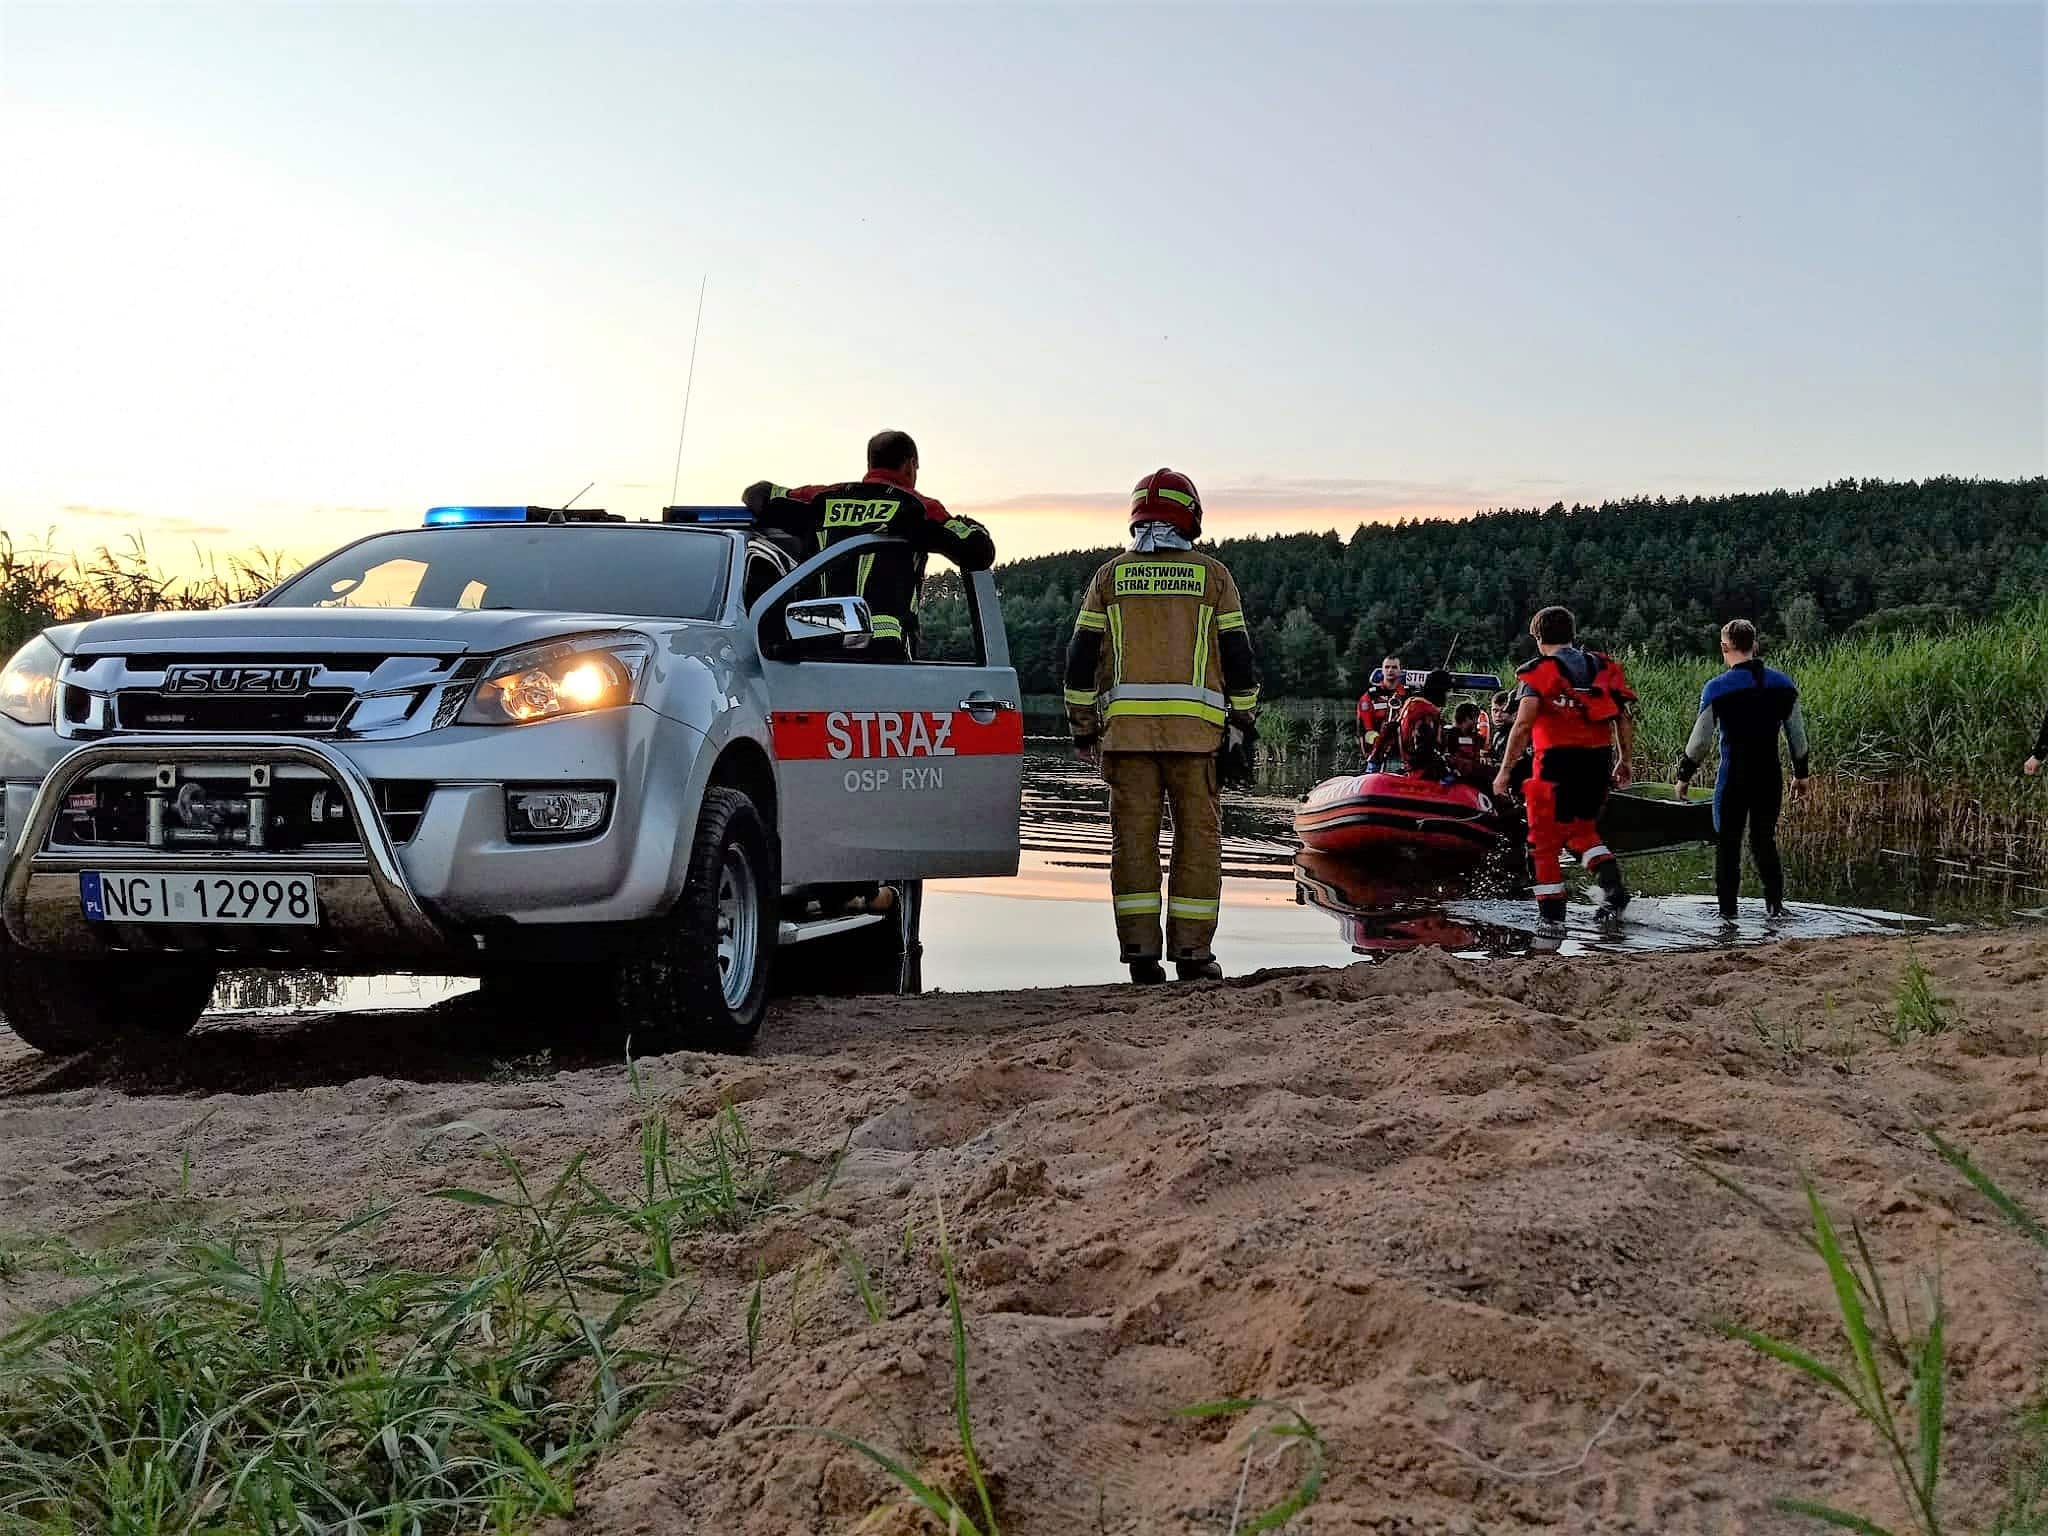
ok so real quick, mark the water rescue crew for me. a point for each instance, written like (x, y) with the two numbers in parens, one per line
(1379, 709)
(1159, 670)
(885, 502)
(1746, 707)
(1574, 707)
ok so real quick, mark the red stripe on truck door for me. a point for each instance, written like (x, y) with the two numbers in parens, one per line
(845, 735)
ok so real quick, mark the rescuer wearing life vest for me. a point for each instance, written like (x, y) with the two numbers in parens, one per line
(1573, 705)
(1466, 746)
(1160, 669)
(1421, 731)
(886, 502)
(1379, 708)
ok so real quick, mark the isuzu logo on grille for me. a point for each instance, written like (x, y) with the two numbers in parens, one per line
(245, 680)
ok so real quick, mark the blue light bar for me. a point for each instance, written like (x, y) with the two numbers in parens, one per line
(731, 517)
(442, 517)
(1478, 682)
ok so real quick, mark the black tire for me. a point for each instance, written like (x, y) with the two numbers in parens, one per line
(684, 993)
(62, 1005)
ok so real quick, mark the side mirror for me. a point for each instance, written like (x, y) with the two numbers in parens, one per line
(826, 626)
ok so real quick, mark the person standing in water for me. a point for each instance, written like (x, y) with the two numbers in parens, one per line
(1746, 707)
(1573, 705)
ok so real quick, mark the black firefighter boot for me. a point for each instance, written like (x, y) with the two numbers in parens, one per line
(1614, 897)
(1198, 970)
(1147, 973)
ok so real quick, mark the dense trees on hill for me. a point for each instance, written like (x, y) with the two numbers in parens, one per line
(1654, 575)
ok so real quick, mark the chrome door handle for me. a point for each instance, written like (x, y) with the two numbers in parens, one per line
(982, 704)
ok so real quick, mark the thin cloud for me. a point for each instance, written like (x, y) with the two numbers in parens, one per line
(155, 524)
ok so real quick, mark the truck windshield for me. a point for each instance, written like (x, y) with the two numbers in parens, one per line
(643, 572)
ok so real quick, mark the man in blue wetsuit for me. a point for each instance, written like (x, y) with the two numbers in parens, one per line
(1746, 707)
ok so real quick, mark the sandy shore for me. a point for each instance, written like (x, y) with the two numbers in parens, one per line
(1444, 1207)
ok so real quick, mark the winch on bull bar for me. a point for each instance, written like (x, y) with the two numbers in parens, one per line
(189, 807)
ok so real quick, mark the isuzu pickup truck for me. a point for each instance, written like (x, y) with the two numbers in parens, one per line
(621, 771)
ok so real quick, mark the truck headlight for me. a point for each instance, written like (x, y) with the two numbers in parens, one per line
(563, 677)
(28, 688)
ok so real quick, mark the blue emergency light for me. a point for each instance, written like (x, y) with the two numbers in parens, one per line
(443, 517)
(1475, 682)
(447, 517)
(731, 517)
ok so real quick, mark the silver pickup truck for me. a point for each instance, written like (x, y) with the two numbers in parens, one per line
(612, 768)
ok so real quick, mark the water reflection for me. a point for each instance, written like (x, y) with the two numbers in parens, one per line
(302, 991)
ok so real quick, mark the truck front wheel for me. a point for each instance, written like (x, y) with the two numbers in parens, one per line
(61, 1005)
(705, 983)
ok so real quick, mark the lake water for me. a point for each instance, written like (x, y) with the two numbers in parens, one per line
(1050, 925)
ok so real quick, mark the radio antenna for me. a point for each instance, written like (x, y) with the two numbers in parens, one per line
(577, 497)
(688, 385)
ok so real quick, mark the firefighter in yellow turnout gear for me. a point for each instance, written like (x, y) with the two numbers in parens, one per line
(1160, 668)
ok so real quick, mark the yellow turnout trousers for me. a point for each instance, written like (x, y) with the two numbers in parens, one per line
(1138, 783)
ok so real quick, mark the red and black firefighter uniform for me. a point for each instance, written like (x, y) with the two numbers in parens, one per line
(1420, 732)
(820, 516)
(1159, 666)
(1379, 716)
(1580, 696)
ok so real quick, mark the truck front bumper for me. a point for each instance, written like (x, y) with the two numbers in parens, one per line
(440, 895)
(368, 908)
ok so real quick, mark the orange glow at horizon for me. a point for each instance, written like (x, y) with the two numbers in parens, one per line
(180, 546)
(1022, 532)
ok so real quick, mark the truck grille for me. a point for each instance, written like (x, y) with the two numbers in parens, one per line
(148, 709)
(401, 803)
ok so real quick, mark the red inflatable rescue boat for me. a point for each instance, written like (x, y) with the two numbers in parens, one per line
(1387, 812)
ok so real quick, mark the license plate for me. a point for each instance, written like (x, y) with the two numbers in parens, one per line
(281, 900)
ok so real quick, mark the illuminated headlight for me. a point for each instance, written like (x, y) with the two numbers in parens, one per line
(565, 677)
(28, 688)
(549, 812)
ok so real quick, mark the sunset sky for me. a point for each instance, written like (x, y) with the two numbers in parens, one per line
(282, 274)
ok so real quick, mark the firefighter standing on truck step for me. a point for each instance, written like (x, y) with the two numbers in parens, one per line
(1574, 705)
(886, 502)
(1159, 668)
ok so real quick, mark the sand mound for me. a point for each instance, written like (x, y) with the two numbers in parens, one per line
(1444, 1208)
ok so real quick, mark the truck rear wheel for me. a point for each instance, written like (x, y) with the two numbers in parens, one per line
(705, 985)
(61, 1005)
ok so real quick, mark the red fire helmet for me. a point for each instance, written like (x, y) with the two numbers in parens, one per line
(1167, 496)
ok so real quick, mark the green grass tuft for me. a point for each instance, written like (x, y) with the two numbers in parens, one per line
(1917, 1009)
(241, 1387)
(1890, 1361)
(1292, 1428)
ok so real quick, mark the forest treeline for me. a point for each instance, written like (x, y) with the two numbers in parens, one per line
(1652, 575)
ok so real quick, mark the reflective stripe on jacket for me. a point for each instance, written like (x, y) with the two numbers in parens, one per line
(889, 579)
(1160, 654)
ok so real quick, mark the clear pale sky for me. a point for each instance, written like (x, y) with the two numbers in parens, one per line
(284, 273)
